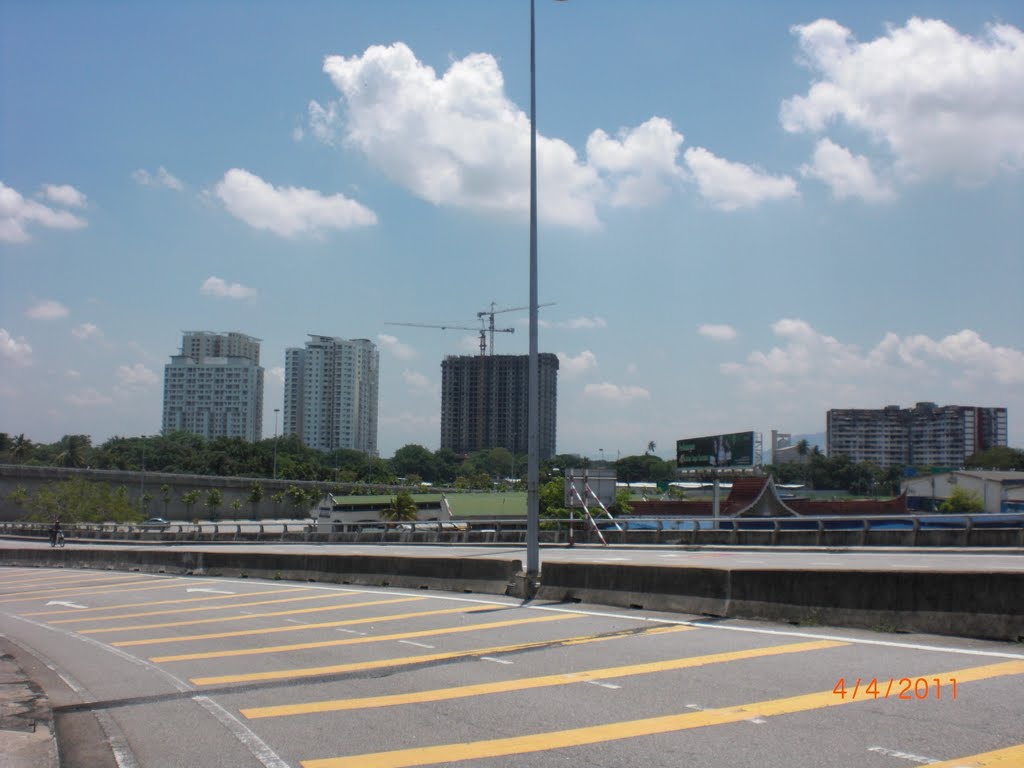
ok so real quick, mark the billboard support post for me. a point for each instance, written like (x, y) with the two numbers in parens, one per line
(715, 506)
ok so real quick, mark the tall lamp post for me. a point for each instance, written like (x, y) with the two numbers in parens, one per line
(534, 412)
(276, 410)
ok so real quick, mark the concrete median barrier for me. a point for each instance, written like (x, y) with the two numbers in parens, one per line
(454, 574)
(983, 605)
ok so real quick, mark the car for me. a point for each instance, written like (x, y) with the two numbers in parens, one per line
(155, 522)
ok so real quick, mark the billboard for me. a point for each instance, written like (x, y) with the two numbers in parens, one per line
(733, 450)
(601, 482)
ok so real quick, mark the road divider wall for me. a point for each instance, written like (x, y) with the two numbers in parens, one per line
(975, 604)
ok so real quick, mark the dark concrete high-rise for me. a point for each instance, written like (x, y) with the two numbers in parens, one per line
(485, 403)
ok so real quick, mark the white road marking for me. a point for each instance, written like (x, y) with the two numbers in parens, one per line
(598, 683)
(66, 604)
(496, 660)
(207, 589)
(350, 631)
(418, 645)
(905, 755)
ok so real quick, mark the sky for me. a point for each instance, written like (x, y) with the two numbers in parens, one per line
(749, 213)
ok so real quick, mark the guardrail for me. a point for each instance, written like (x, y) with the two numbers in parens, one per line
(975, 530)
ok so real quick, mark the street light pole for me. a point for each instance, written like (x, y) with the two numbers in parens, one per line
(533, 409)
(276, 410)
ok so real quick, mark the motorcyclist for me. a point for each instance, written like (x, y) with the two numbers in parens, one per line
(54, 530)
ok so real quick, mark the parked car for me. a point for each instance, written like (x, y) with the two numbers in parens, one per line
(155, 522)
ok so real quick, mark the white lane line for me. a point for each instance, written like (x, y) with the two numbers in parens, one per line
(904, 755)
(350, 631)
(418, 645)
(496, 660)
(677, 622)
(599, 684)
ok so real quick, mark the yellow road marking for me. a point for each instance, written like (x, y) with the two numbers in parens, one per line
(575, 737)
(50, 594)
(77, 611)
(242, 617)
(360, 666)
(57, 577)
(1011, 757)
(529, 683)
(360, 640)
(273, 630)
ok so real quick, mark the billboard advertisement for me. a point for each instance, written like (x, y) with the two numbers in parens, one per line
(733, 450)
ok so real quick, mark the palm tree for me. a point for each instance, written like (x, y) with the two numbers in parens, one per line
(650, 447)
(403, 507)
(21, 448)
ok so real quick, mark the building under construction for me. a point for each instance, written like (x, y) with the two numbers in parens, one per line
(485, 403)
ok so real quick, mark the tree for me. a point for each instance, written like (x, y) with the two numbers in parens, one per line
(166, 494)
(236, 508)
(650, 447)
(962, 500)
(76, 500)
(256, 494)
(214, 499)
(414, 460)
(999, 458)
(189, 499)
(403, 507)
(622, 504)
(74, 450)
(21, 449)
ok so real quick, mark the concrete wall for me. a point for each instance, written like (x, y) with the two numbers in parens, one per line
(985, 605)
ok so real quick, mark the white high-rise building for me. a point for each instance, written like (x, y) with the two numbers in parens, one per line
(330, 393)
(214, 387)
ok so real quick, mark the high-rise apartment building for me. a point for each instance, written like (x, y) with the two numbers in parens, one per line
(330, 393)
(485, 403)
(214, 387)
(924, 435)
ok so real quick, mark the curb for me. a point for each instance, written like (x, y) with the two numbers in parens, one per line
(27, 737)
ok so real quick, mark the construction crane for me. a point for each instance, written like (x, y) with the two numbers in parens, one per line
(492, 312)
(481, 330)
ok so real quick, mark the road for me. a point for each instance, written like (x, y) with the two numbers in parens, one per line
(185, 671)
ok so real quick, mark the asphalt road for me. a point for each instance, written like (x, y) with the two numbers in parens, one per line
(185, 671)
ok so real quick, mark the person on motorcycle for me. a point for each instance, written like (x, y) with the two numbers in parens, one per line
(54, 530)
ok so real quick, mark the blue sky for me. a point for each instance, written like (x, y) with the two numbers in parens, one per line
(750, 212)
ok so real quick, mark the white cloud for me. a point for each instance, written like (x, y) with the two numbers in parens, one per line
(16, 351)
(64, 194)
(717, 332)
(136, 376)
(942, 103)
(288, 211)
(395, 347)
(731, 186)
(17, 213)
(47, 309)
(215, 286)
(277, 373)
(847, 175)
(457, 140)
(71, 373)
(575, 324)
(616, 393)
(87, 331)
(88, 398)
(575, 366)
(419, 384)
(912, 365)
(162, 178)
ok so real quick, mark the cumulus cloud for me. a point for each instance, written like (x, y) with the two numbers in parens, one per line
(288, 211)
(575, 324)
(18, 213)
(616, 393)
(47, 309)
(277, 373)
(731, 186)
(575, 366)
(457, 140)
(419, 384)
(162, 178)
(717, 332)
(64, 194)
(221, 289)
(941, 102)
(395, 347)
(136, 376)
(16, 351)
(89, 398)
(845, 174)
(807, 358)
(87, 331)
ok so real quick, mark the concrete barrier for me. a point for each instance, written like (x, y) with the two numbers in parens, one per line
(983, 605)
(452, 574)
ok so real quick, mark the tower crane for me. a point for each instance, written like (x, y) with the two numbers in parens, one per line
(481, 330)
(492, 312)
